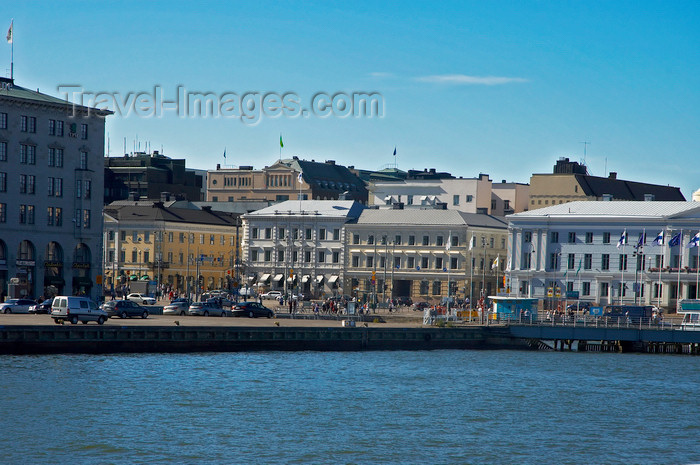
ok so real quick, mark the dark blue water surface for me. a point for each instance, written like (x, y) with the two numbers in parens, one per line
(434, 407)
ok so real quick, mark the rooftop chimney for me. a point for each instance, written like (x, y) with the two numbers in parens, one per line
(612, 175)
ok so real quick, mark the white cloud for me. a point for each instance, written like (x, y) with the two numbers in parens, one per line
(463, 79)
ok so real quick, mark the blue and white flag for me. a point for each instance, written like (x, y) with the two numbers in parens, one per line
(675, 240)
(694, 241)
(642, 240)
(299, 178)
(623, 239)
(659, 239)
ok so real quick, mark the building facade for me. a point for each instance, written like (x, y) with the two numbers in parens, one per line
(51, 195)
(606, 252)
(287, 179)
(187, 250)
(298, 246)
(424, 254)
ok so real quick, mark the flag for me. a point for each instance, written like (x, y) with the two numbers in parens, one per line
(675, 240)
(9, 33)
(447, 245)
(659, 239)
(623, 239)
(394, 151)
(579, 266)
(299, 178)
(281, 143)
(642, 240)
(472, 242)
(224, 154)
(494, 265)
(694, 241)
(508, 265)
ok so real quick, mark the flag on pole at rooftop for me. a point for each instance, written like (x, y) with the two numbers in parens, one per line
(281, 143)
(494, 265)
(299, 178)
(472, 242)
(623, 239)
(659, 239)
(694, 241)
(224, 154)
(675, 240)
(394, 151)
(9, 32)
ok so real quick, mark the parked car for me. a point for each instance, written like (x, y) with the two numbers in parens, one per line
(141, 299)
(272, 295)
(582, 306)
(220, 302)
(206, 309)
(124, 309)
(420, 306)
(404, 300)
(177, 307)
(44, 307)
(17, 305)
(252, 310)
(75, 309)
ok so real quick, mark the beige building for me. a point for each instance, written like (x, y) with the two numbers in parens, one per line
(423, 253)
(171, 246)
(285, 180)
(570, 182)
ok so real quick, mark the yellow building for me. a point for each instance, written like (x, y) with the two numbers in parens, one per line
(170, 247)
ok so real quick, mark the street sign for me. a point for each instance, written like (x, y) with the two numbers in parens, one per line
(572, 294)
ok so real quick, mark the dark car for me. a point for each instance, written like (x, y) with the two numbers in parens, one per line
(404, 300)
(582, 306)
(420, 306)
(252, 310)
(124, 309)
(44, 307)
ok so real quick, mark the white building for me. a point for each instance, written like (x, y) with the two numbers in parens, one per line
(51, 194)
(574, 247)
(298, 245)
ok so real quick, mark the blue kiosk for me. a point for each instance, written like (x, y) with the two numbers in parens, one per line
(511, 308)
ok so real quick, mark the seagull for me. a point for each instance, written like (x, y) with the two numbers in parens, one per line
(177, 323)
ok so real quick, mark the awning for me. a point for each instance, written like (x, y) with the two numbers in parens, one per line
(319, 278)
(265, 277)
(251, 278)
(290, 280)
(332, 279)
(278, 278)
(306, 278)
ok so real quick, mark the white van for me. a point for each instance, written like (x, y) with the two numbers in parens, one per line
(75, 309)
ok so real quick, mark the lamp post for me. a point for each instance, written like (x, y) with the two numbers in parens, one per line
(386, 258)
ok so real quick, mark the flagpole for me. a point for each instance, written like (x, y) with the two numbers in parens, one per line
(622, 284)
(471, 275)
(697, 269)
(680, 263)
(12, 52)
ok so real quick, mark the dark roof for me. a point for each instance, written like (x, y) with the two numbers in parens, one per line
(158, 212)
(626, 190)
(326, 176)
(12, 90)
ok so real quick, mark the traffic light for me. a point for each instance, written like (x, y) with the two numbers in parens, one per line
(374, 277)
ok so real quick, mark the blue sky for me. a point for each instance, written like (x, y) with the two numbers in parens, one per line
(503, 88)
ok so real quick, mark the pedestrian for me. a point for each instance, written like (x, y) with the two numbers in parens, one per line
(294, 306)
(290, 306)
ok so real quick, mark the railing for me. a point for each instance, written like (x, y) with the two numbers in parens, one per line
(590, 321)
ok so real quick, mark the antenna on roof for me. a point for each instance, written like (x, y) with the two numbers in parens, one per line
(585, 144)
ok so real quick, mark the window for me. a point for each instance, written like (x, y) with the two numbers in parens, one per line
(3, 151)
(336, 234)
(3, 182)
(50, 216)
(586, 288)
(454, 263)
(86, 218)
(222, 240)
(438, 263)
(554, 236)
(455, 200)
(554, 261)
(322, 234)
(470, 198)
(411, 240)
(454, 241)
(589, 238)
(212, 239)
(424, 287)
(571, 259)
(28, 124)
(78, 188)
(280, 233)
(370, 239)
(254, 233)
(336, 257)
(411, 262)
(397, 262)
(83, 160)
(437, 286)
(253, 255)
(52, 127)
(426, 240)
(201, 238)
(22, 214)
(321, 257)
(307, 234)
(355, 238)
(3, 212)
(587, 261)
(606, 238)
(295, 256)
(493, 204)
(623, 262)
(27, 154)
(355, 261)
(83, 131)
(268, 255)
(424, 262)
(572, 237)
(439, 241)
(55, 157)
(605, 262)
(59, 128)
(369, 262)
(3, 120)
(295, 234)
(170, 237)
(268, 233)
(527, 236)
(604, 289)
(88, 189)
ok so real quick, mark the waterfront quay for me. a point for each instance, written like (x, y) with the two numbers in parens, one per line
(27, 334)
